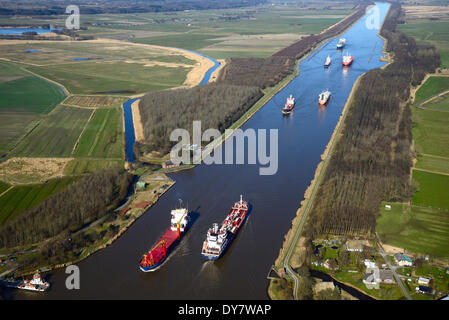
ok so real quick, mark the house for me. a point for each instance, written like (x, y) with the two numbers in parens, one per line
(369, 264)
(375, 276)
(423, 281)
(403, 260)
(424, 289)
(387, 207)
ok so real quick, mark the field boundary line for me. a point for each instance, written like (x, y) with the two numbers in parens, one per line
(82, 131)
(1, 194)
(435, 156)
(64, 89)
(430, 171)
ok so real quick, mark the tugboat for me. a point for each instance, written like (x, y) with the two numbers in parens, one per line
(347, 59)
(154, 258)
(287, 109)
(324, 97)
(35, 284)
(341, 43)
(327, 63)
(219, 238)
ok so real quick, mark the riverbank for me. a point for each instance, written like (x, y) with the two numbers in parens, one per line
(137, 204)
(291, 248)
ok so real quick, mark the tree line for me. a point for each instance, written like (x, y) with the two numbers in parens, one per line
(215, 105)
(84, 201)
(372, 160)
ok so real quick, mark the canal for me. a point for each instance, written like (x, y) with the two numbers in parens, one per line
(210, 190)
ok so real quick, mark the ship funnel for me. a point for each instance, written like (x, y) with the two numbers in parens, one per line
(241, 200)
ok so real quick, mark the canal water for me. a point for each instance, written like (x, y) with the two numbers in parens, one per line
(210, 190)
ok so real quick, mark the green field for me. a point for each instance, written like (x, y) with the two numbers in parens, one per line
(103, 136)
(3, 186)
(21, 198)
(434, 32)
(431, 132)
(113, 78)
(434, 85)
(432, 189)
(439, 103)
(432, 163)
(24, 99)
(83, 166)
(56, 134)
(417, 229)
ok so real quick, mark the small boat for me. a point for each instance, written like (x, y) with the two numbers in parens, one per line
(35, 284)
(347, 59)
(287, 109)
(327, 63)
(324, 97)
(341, 43)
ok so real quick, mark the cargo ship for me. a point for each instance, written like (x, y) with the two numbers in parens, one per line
(219, 238)
(288, 105)
(347, 59)
(156, 256)
(324, 97)
(341, 43)
(327, 63)
(35, 284)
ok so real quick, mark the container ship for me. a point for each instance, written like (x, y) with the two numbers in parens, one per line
(219, 238)
(341, 43)
(154, 258)
(324, 97)
(327, 63)
(35, 284)
(287, 109)
(347, 59)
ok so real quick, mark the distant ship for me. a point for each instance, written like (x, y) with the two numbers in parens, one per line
(35, 284)
(288, 105)
(219, 238)
(341, 43)
(324, 97)
(347, 59)
(154, 258)
(328, 61)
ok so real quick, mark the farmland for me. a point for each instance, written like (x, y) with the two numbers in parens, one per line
(103, 136)
(56, 135)
(82, 166)
(432, 189)
(20, 112)
(417, 229)
(93, 101)
(434, 85)
(21, 198)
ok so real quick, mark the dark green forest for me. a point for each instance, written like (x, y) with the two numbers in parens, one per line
(86, 200)
(372, 159)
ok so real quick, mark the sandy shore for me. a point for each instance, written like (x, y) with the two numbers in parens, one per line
(214, 75)
(138, 127)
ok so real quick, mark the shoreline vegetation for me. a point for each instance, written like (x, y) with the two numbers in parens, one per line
(395, 55)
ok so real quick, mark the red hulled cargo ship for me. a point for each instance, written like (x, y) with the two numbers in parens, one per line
(154, 258)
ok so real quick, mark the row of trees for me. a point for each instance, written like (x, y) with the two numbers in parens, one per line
(372, 159)
(215, 105)
(259, 72)
(87, 200)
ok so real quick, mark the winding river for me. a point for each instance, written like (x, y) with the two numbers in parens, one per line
(210, 190)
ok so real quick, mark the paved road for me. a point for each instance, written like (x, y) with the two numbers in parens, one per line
(396, 276)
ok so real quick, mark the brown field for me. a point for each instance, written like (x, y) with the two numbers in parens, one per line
(93, 101)
(426, 12)
(19, 170)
